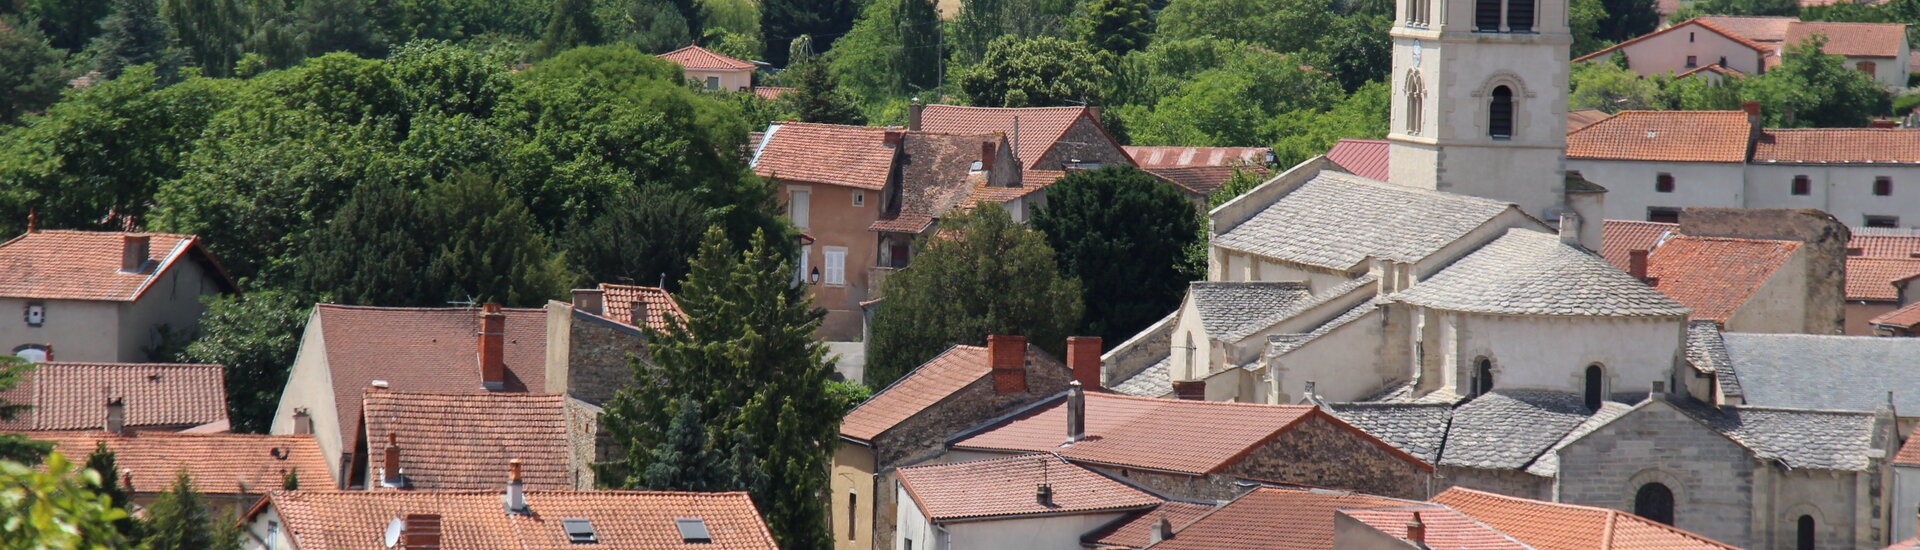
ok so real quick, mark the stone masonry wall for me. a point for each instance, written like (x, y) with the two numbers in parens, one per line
(925, 434)
(1711, 476)
(1506, 482)
(583, 443)
(598, 351)
(1084, 141)
(1319, 452)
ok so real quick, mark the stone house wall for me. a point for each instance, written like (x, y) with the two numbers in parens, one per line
(925, 434)
(1712, 477)
(587, 355)
(1084, 141)
(1825, 252)
(1321, 452)
(1506, 482)
(583, 443)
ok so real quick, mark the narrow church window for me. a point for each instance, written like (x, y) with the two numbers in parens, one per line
(1416, 99)
(1655, 502)
(1802, 185)
(853, 515)
(1417, 12)
(1483, 377)
(1663, 183)
(1594, 382)
(1520, 15)
(1500, 113)
(1486, 16)
(1805, 534)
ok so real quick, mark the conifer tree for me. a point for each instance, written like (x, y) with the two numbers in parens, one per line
(920, 40)
(1126, 235)
(492, 250)
(101, 462)
(1118, 26)
(181, 520)
(133, 33)
(816, 97)
(684, 461)
(373, 251)
(16, 447)
(572, 25)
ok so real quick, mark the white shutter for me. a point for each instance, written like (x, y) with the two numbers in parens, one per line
(799, 203)
(800, 276)
(836, 269)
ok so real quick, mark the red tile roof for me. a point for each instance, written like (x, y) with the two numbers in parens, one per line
(1001, 487)
(1763, 29)
(929, 383)
(73, 396)
(1905, 317)
(1617, 237)
(1678, 136)
(1713, 276)
(1204, 180)
(1838, 145)
(85, 265)
(1040, 127)
(1446, 529)
(617, 301)
(357, 520)
(1552, 526)
(1272, 518)
(1584, 118)
(1137, 531)
(1366, 158)
(1853, 39)
(1194, 437)
(769, 92)
(1885, 245)
(1030, 182)
(696, 57)
(1697, 22)
(422, 350)
(904, 222)
(1873, 278)
(829, 154)
(1909, 454)
(456, 442)
(224, 464)
(1179, 157)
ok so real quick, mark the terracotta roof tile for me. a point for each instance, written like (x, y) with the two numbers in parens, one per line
(225, 464)
(618, 300)
(1446, 529)
(1273, 518)
(926, 385)
(770, 92)
(1853, 39)
(937, 172)
(1618, 237)
(1040, 127)
(421, 350)
(904, 222)
(1676, 136)
(1909, 454)
(1713, 276)
(1905, 317)
(1552, 526)
(1366, 158)
(85, 265)
(1873, 278)
(1838, 146)
(1181, 157)
(73, 396)
(455, 442)
(1000, 487)
(1204, 180)
(1136, 531)
(357, 520)
(696, 57)
(1715, 68)
(1765, 29)
(830, 154)
(1879, 243)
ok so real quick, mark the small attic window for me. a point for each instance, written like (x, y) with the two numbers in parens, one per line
(693, 530)
(579, 531)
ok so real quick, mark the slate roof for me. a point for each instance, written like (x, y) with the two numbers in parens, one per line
(1873, 278)
(1877, 146)
(1617, 237)
(462, 442)
(617, 301)
(1674, 136)
(998, 488)
(73, 396)
(925, 386)
(1798, 438)
(222, 464)
(1136, 531)
(1232, 311)
(827, 154)
(1707, 352)
(421, 350)
(1804, 371)
(1853, 39)
(356, 520)
(1040, 127)
(1204, 180)
(1549, 462)
(1445, 528)
(85, 265)
(1420, 429)
(696, 57)
(1154, 381)
(1532, 273)
(1905, 317)
(1508, 429)
(1273, 518)
(1175, 156)
(1554, 526)
(1714, 276)
(1367, 158)
(1337, 221)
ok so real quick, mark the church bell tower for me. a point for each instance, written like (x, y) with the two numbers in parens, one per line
(1480, 99)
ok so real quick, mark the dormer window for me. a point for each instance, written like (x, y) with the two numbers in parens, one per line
(580, 531)
(693, 530)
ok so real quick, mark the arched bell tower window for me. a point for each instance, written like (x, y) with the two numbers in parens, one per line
(1416, 102)
(1513, 16)
(1655, 502)
(1500, 113)
(1417, 11)
(1594, 383)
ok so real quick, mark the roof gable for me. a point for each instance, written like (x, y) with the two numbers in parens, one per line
(1701, 23)
(71, 396)
(1269, 517)
(1005, 487)
(85, 265)
(1554, 526)
(1853, 39)
(828, 154)
(1445, 528)
(1033, 130)
(453, 442)
(656, 304)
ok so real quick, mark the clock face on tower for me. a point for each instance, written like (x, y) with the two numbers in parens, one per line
(1416, 52)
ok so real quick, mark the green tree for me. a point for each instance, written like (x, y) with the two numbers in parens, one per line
(817, 98)
(102, 463)
(1584, 18)
(920, 55)
(1610, 88)
(782, 21)
(1125, 235)
(133, 33)
(1356, 50)
(32, 71)
(1626, 19)
(256, 336)
(650, 25)
(870, 61)
(374, 251)
(572, 25)
(684, 461)
(492, 249)
(985, 274)
(327, 26)
(1215, 106)
(13, 446)
(1301, 134)
(213, 32)
(181, 520)
(54, 506)
(648, 237)
(1748, 7)
(1118, 26)
(70, 24)
(1814, 89)
(1036, 72)
(1278, 25)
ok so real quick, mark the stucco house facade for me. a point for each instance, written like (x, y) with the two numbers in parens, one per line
(103, 297)
(712, 70)
(1749, 45)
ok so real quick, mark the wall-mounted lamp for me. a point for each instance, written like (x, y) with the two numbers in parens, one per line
(813, 277)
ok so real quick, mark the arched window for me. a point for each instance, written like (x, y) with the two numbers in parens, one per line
(1417, 12)
(1805, 533)
(1500, 113)
(1519, 15)
(1483, 376)
(32, 353)
(1594, 383)
(1654, 502)
(1416, 100)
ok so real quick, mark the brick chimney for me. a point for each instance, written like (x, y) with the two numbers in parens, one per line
(1192, 391)
(302, 422)
(516, 490)
(1417, 531)
(913, 115)
(637, 313)
(116, 416)
(1076, 412)
(589, 300)
(420, 532)
(892, 138)
(1752, 108)
(1881, 123)
(492, 347)
(133, 252)
(1637, 264)
(987, 150)
(1083, 355)
(390, 464)
(1007, 355)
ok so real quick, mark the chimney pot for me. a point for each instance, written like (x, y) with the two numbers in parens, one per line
(133, 252)
(126, 478)
(1195, 390)
(1637, 264)
(892, 138)
(1076, 413)
(913, 115)
(391, 472)
(1751, 107)
(1570, 228)
(302, 422)
(590, 300)
(1007, 355)
(1162, 530)
(117, 416)
(516, 491)
(492, 347)
(1417, 530)
(637, 313)
(987, 149)
(1083, 356)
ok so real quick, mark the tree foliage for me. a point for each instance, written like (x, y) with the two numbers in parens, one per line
(1125, 235)
(648, 237)
(133, 33)
(32, 71)
(1278, 25)
(181, 520)
(13, 446)
(256, 336)
(572, 25)
(1118, 26)
(1036, 72)
(981, 273)
(1611, 88)
(1814, 89)
(1214, 107)
(68, 23)
(1301, 134)
(817, 98)
(823, 21)
(55, 506)
(101, 462)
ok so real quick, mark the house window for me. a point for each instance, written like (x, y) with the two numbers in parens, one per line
(853, 515)
(1693, 61)
(859, 198)
(1802, 185)
(1663, 183)
(1655, 502)
(1865, 67)
(1882, 186)
(835, 258)
(1804, 533)
(713, 83)
(36, 314)
(32, 353)
(1500, 113)
(1483, 377)
(1663, 214)
(1689, 36)
(1883, 221)
(1723, 61)
(900, 255)
(1595, 381)
(799, 203)
(1416, 100)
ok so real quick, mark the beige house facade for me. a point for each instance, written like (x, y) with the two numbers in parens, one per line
(104, 297)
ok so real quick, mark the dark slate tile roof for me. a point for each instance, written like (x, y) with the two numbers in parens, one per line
(1508, 429)
(1417, 428)
(1337, 220)
(1532, 273)
(1154, 381)
(1707, 352)
(1799, 438)
(1549, 462)
(1802, 371)
(1232, 311)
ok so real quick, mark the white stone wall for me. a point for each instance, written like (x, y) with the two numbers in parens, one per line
(1780, 304)
(310, 387)
(173, 300)
(1630, 185)
(1667, 52)
(914, 526)
(76, 330)
(1041, 533)
(1846, 191)
(1342, 364)
(1554, 352)
(1906, 498)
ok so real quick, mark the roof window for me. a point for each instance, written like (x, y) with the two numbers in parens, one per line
(693, 530)
(579, 531)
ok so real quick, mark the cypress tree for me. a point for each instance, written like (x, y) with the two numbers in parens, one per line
(373, 251)
(101, 462)
(1126, 235)
(684, 461)
(920, 52)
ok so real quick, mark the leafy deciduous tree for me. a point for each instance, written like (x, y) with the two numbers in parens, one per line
(13, 446)
(817, 98)
(1278, 25)
(1036, 72)
(782, 21)
(1118, 26)
(572, 25)
(55, 506)
(181, 520)
(493, 249)
(256, 336)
